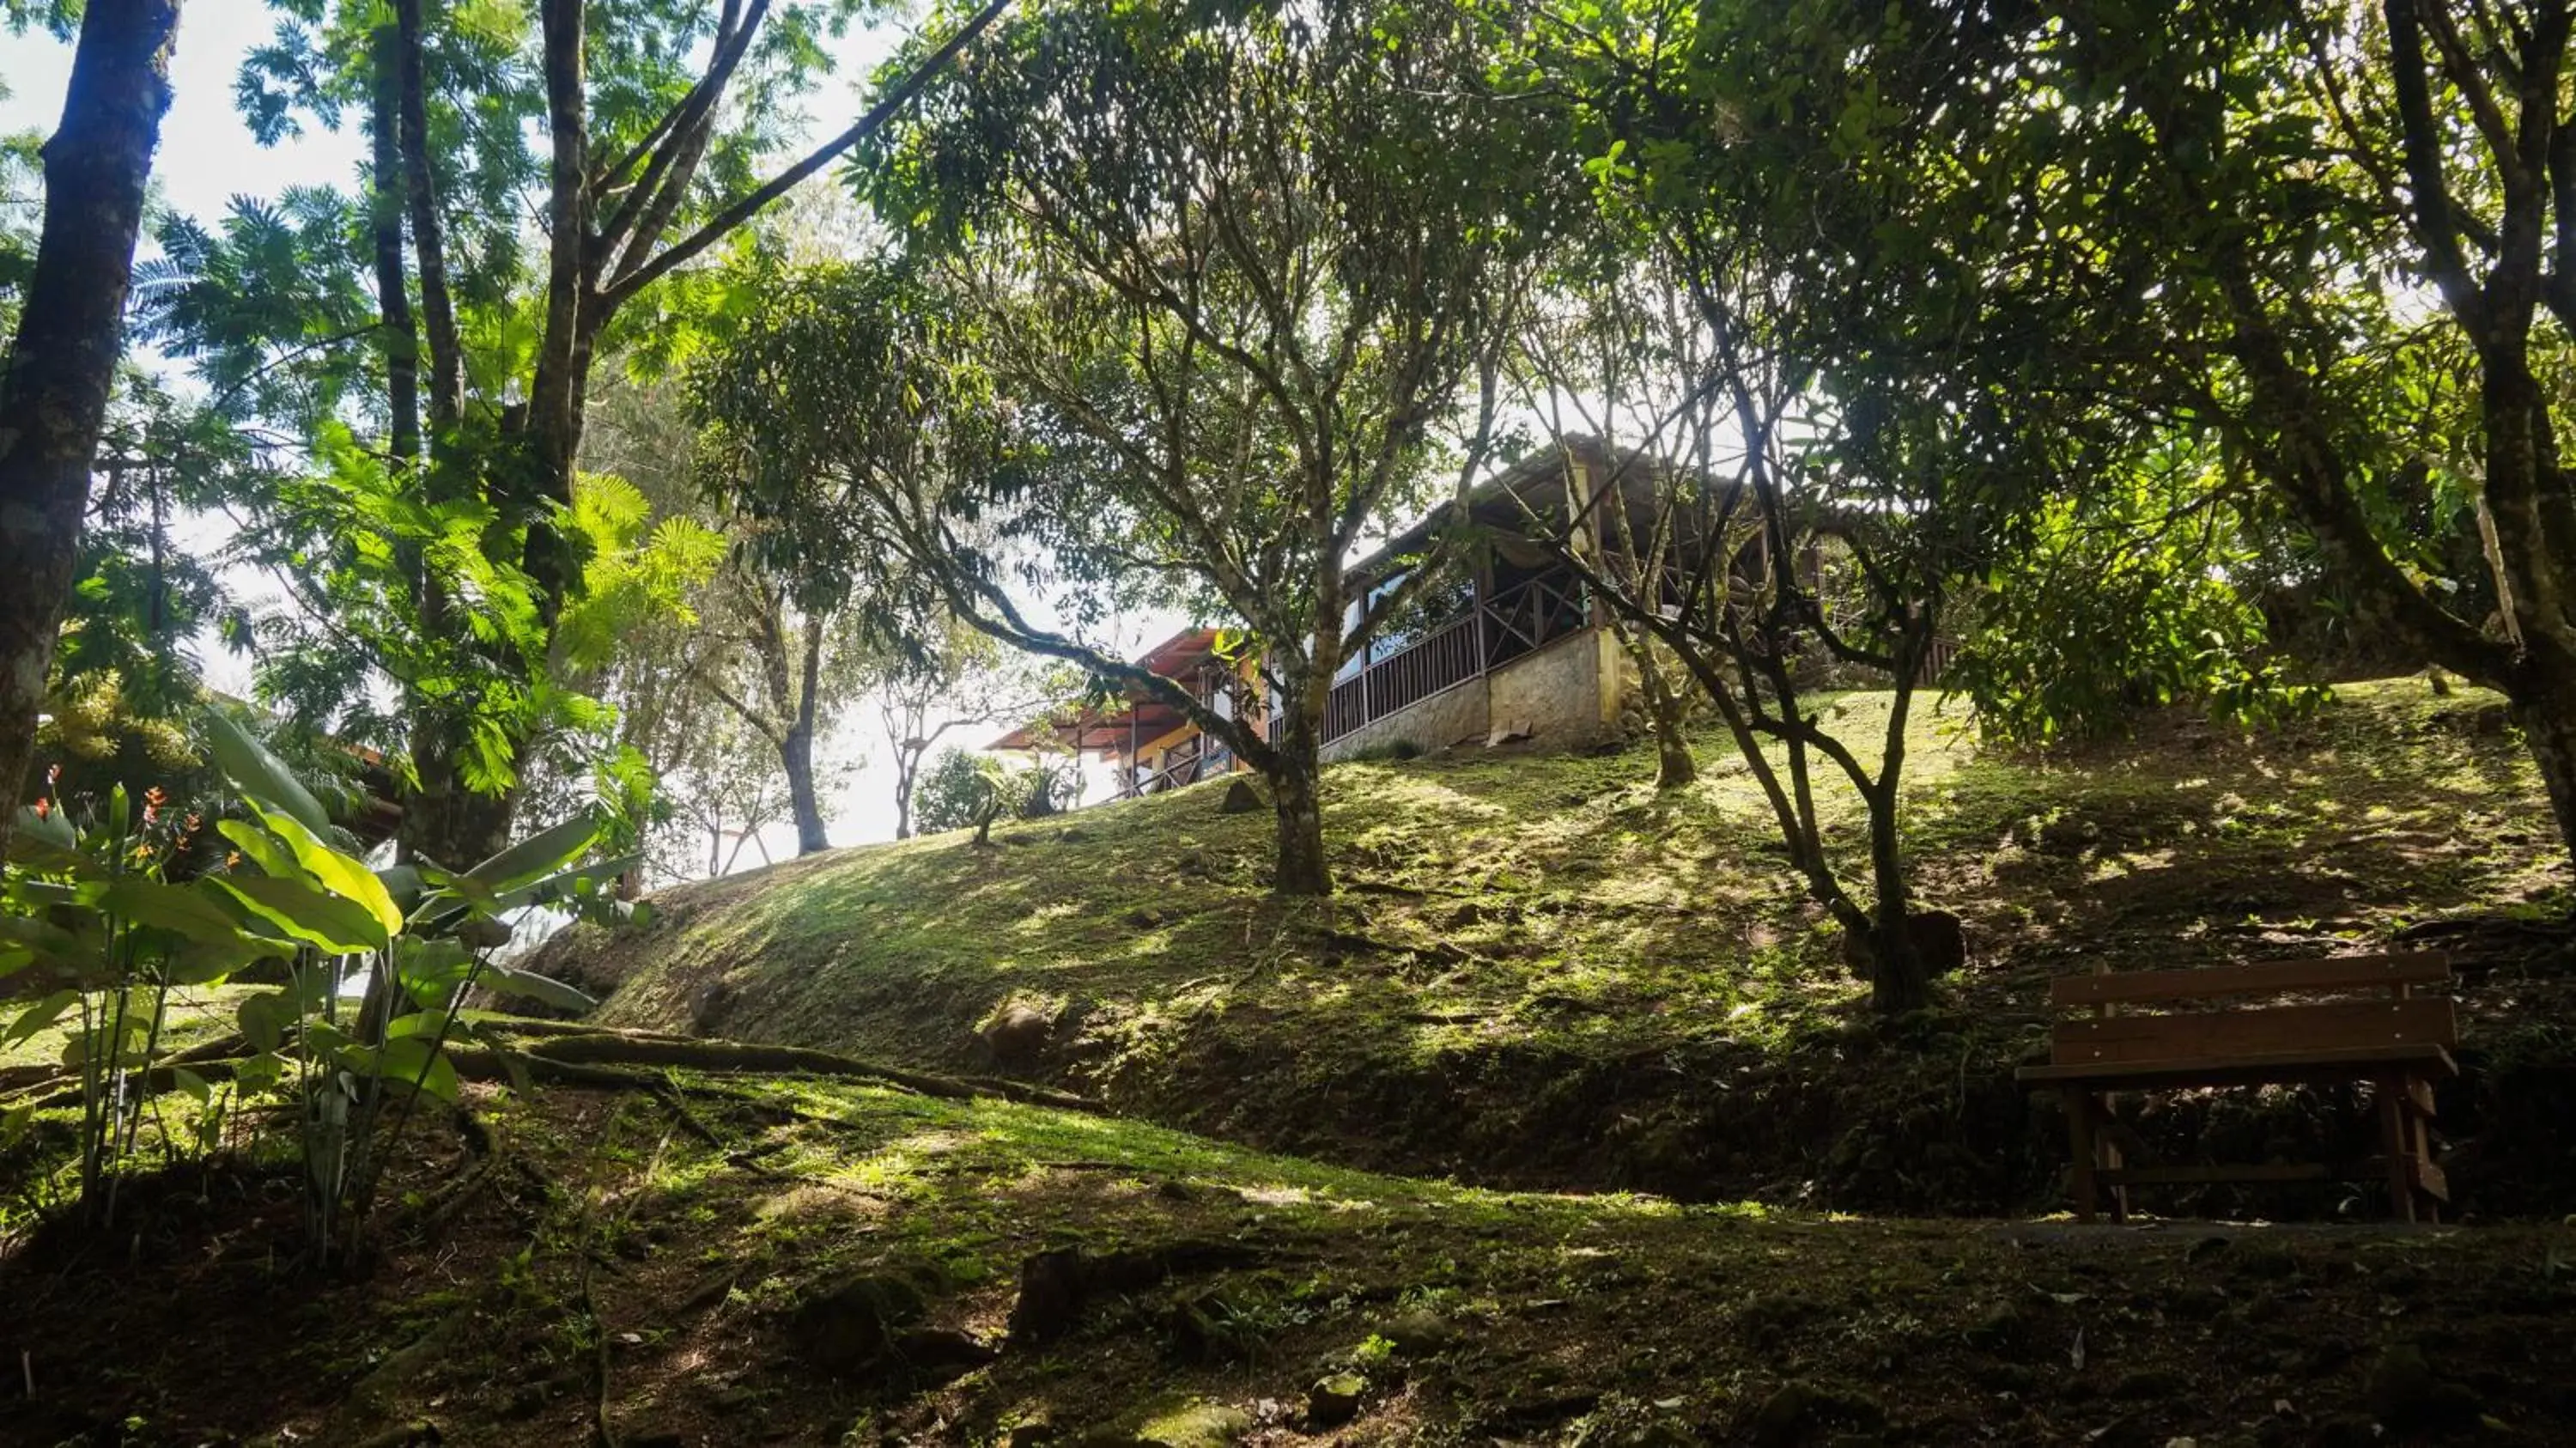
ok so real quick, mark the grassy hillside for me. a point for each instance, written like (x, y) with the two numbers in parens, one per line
(1542, 973)
(840, 1263)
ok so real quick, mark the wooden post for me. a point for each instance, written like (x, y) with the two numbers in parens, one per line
(2079, 1140)
(2394, 1136)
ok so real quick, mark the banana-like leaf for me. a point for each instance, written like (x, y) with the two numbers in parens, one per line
(536, 987)
(44, 840)
(404, 883)
(182, 909)
(262, 775)
(261, 848)
(410, 1062)
(38, 1016)
(566, 885)
(343, 876)
(307, 913)
(539, 855)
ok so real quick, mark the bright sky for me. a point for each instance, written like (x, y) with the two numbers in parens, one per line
(208, 157)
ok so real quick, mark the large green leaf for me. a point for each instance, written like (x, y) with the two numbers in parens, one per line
(536, 987)
(410, 1061)
(38, 1016)
(182, 909)
(307, 913)
(46, 841)
(261, 848)
(348, 878)
(261, 775)
(537, 856)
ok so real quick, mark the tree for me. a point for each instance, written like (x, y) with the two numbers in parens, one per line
(1829, 465)
(946, 675)
(1244, 304)
(62, 357)
(657, 121)
(805, 660)
(2359, 227)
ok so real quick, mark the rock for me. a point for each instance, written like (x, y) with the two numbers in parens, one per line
(1515, 731)
(2344, 1430)
(941, 1352)
(1072, 835)
(1787, 1416)
(2148, 1385)
(1418, 1333)
(1054, 1285)
(1782, 1420)
(2407, 1395)
(1016, 1035)
(2126, 1431)
(1334, 1401)
(1035, 1429)
(709, 1007)
(2000, 1331)
(1241, 798)
(851, 1324)
(1145, 917)
(1195, 1425)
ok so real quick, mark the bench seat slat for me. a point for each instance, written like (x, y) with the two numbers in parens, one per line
(2272, 1171)
(2340, 972)
(2340, 1025)
(2270, 1068)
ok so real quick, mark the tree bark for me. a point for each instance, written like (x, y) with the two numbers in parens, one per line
(796, 756)
(62, 363)
(1674, 766)
(1296, 796)
(1898, 979)
(907, 765)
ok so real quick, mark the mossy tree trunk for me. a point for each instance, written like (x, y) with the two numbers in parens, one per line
(1297, 798)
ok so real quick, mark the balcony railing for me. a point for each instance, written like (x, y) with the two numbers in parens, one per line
(1517, 621)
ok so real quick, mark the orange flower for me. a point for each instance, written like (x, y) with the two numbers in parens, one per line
(44, 807)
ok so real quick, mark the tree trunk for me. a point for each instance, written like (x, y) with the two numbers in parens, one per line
(62, 363)
(796, 756)
(1674, 766)
(2548, 723)
(1296, 795)
(1898, 978)
(907, 764)
(444, 822)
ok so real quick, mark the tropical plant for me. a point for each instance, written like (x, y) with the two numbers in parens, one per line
(376, 966)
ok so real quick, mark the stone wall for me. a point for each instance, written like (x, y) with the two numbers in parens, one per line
(1452, 716)
(1565, 696)
(1557, 696)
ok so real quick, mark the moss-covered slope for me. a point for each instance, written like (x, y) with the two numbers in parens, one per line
(1541, 972)
(848, 1264)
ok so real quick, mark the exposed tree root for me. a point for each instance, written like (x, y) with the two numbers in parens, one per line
(722, 1058)
(567, 1054)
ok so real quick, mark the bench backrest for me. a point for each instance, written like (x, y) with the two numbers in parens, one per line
(2116, 1032)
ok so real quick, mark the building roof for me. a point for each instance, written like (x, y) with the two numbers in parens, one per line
(1144, 717)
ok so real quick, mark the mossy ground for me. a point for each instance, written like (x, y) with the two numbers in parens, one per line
(623, 1280)
(1541, 972)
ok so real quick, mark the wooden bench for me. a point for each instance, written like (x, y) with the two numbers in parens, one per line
(2396, 1039)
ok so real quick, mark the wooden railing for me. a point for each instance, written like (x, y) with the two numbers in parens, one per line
(1517, 621)
(1199, 765)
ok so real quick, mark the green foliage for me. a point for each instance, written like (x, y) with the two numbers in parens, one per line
(2126, 597)
(960, 789)
(375, 964)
